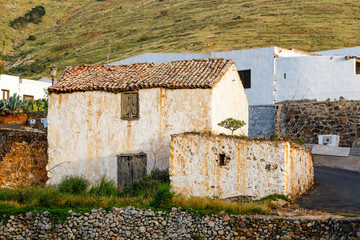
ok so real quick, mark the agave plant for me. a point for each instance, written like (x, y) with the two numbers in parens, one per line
(13, 104)
(2, 105)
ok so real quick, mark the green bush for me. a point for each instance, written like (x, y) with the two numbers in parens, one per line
(73, 185)
(145, 186)
(45, 196)
(160, 175)
(104, 187)
(162, 196)
(232, 124)
(33, 16)
(31, 38)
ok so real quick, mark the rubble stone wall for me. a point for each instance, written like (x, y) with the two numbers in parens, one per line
(23, 157)
(305, 120)
(132, 223)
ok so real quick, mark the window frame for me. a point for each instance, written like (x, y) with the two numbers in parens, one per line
(4, 93)
(127, 115)
(28, 97)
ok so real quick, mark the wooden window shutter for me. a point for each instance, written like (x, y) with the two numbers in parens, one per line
(129, 106)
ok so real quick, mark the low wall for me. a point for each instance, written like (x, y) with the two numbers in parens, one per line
(37, 116)
(228, 166)
(23, 157)
(131, 223)
(306, 120)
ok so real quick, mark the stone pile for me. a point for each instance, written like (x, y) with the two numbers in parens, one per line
(132, 223)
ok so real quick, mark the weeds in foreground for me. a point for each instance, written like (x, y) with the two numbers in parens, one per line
(147, 192)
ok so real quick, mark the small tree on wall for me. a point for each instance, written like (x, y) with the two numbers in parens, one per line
(232, 124)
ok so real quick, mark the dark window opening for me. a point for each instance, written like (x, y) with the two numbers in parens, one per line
(130, 106)
(284, 75)
(221, 159)
(358, 67)
(245, 76)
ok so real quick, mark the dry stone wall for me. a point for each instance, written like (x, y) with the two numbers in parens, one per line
(132, 223)
(23, 157)
(305, 120)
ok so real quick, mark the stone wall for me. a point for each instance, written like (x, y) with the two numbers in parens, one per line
(131, 223)
(305, 120)
(261, 121)
(23, 157)
(228, 166)
(37, 116)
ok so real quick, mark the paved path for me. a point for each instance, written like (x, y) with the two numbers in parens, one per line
(335, 191)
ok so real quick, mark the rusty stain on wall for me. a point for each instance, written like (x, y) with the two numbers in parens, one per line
(252, 168)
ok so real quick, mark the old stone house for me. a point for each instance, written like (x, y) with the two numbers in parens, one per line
(117, 120)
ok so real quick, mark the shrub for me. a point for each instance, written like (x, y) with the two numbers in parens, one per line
(31, 38)
(145, 186)
(160, 175)
(33, 16)
(73, 185)
(232, 124)
(162, 196)
(104, 187)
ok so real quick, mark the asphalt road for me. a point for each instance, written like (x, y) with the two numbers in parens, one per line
(334, 191)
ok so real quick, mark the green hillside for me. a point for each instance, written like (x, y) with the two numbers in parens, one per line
(76, 32)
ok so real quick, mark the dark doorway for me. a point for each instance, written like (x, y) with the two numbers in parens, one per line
(131, 167)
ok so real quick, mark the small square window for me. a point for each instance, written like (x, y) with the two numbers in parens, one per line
(222, 160)
(130, 106)
(245, 76)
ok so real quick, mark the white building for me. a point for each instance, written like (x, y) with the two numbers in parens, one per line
(26, 88)
(109, 119)
(274, 74)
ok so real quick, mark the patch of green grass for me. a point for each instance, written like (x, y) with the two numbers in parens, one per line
(348, 214)
(174, 27)
(275, 197)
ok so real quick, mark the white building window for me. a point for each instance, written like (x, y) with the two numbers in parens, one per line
(130, 106)
(5, 93)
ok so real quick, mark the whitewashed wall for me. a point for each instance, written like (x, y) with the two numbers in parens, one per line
(316, 77)
(253, 168)
(24, 86)
(10, 83)
(229, 100)
(353, 51)
(85, 132)
(34, 88)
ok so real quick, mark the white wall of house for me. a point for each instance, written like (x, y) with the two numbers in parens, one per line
(316, 77)
(261, 63)
(23, 86)
(319, 76)
(34, 88)
(229, 100)
(10, 83)
(85, 138)
(353, 51)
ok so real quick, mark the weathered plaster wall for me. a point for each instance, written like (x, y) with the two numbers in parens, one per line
(261, 121)
(252, 168)
(316, 77)
(229, 100)
(86, 137)
(305, 120)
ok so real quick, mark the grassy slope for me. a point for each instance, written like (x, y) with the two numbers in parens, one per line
(75, 33)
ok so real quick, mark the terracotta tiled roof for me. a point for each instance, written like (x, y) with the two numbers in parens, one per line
(201, 73)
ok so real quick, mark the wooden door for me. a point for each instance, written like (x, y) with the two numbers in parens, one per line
(130, 168)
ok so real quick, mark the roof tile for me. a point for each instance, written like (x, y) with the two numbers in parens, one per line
(196, 73)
